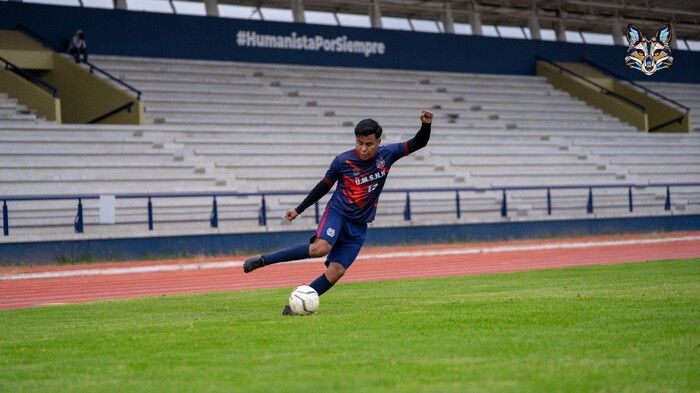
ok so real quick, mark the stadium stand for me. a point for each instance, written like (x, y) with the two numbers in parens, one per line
(217, 127)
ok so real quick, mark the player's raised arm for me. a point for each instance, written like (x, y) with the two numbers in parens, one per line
(420, 140)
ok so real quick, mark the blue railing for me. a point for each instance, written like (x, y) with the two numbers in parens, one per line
(630, 81)
(12, 67)
(678, 119)
(262, 211)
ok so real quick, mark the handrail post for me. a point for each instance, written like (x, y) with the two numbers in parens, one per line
(549, 203)
(589, 205)
(150, 214)
(318, 218)
(667, 204)
(78, 224)
(504, 205)
(457, 207)
(407, 208)
(629, 197)
(5, 220)
(214, 219)
(262, 217)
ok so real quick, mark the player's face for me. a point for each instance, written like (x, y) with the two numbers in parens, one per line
(366, 146)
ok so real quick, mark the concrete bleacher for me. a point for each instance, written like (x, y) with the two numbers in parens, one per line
(224, 127)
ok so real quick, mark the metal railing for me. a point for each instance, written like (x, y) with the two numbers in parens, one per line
(262, 210)
(646, 91)
(16, 69)
(113, 112)
(115, 79)
(630, 81)
(601, 89)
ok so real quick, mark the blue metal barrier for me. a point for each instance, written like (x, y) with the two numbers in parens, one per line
(262, 216)
(407, 207)
(504, 205)
(5, 220)
(629, 197)
(407, 211)
(457, 207)
(150, 214)
(214, 220)
(79, 217)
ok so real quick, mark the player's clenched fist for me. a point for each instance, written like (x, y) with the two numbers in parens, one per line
(426, 116)
(291, 214)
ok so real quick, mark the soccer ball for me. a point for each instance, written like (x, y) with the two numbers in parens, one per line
(304, 300)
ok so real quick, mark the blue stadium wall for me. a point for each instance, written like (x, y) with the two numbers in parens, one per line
(129, 33)
(249, 243)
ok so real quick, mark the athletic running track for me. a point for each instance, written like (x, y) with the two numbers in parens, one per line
(42, 286)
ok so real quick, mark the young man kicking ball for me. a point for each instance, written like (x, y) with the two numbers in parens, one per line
(361, 174)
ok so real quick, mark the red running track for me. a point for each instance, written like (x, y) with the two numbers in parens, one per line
(30, 287)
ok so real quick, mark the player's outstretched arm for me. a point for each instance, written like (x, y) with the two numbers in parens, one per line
(316, 193)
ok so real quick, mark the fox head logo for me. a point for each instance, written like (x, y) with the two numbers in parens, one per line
(649, 55)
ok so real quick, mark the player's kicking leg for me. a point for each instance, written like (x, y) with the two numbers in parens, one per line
(252, 263)
(318, 248)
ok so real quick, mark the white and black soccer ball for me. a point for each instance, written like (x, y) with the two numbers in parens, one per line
(304, 300)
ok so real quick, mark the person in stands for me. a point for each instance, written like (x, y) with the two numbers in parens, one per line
(78, 46)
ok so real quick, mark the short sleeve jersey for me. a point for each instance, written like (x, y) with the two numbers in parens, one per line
(361, 182)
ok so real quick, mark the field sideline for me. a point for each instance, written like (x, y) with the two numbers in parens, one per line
(614, 328)
(50, 285)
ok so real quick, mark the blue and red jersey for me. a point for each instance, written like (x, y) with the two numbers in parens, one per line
(361, 182)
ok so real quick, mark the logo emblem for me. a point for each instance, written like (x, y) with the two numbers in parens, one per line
(330, 232)
(649, 55)
(355, 172)
(380, 163)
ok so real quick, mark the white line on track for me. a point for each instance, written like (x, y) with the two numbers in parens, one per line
(386, 255)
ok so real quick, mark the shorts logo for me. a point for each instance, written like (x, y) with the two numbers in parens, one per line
(330, 232)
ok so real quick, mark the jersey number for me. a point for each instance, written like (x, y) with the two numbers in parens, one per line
(372, 188)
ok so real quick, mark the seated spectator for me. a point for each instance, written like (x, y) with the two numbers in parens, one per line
(78, 46)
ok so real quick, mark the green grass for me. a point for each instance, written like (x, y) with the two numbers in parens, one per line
(622, 328)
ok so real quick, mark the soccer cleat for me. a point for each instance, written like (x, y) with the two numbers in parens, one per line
(288, 311)
(253, 263)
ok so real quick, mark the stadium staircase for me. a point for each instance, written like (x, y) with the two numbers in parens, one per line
(10, 110)
(215, 127)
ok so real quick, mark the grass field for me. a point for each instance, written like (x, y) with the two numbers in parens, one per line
(619, 328)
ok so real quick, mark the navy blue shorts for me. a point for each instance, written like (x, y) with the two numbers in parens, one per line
(346, 237)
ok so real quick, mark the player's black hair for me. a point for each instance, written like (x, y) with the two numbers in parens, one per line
(367, 127)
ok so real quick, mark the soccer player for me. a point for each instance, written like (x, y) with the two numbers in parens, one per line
(361, 174)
